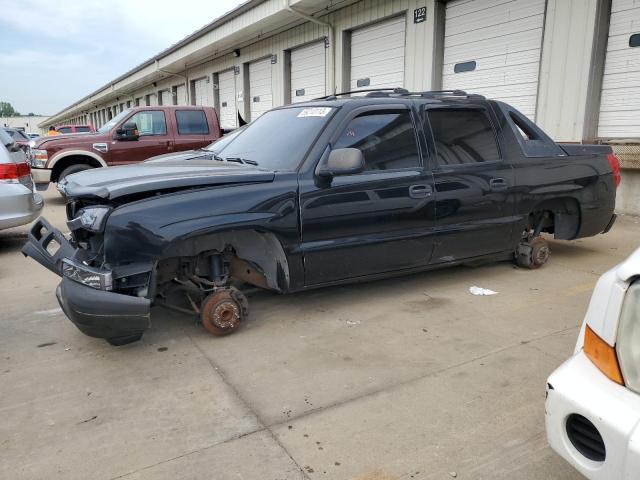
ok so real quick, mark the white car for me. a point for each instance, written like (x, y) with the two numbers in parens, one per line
(593, 399)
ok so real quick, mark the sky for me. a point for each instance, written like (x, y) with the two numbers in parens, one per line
(54, 52)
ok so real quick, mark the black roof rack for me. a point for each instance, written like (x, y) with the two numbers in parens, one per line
(403, 92)
(368, 91)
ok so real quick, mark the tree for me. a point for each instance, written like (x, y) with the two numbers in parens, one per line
(7, 110)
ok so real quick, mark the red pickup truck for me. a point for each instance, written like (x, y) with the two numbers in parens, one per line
(131, 136)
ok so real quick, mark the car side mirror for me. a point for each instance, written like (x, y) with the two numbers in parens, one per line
(342, 161)
(127, 132)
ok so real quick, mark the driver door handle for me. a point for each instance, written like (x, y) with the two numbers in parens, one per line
(420, 191)
(498, 184)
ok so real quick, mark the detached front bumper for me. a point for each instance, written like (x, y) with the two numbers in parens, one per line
(96, 312)
(578, 388)
(103, 314)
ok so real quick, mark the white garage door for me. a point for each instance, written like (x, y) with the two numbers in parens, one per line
(308, 72)
(152, 100)
(260, 96)
(492, 47)
(202, 92)
(377, 55)
(227, 98)
(165, 97)
(620, 103)
(181, 95)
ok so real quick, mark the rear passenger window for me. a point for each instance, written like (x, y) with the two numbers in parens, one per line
(64, 130)
(463, 137)
(192, 122)
(386, 139)
(82, 130)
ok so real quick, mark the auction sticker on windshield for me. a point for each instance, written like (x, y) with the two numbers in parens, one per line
(314, 112)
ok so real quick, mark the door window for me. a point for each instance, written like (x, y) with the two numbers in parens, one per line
(386, 139)
(463, 137)
(64, 130)
(192, 122)
(150, 122)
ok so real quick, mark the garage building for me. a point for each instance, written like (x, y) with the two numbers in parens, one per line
(572, 66)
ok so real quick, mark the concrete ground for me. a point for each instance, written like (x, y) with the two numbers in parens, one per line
(410, 378)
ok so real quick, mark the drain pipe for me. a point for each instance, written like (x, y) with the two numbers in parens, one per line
(331, 37)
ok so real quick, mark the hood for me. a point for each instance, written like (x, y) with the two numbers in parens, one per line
(184, 155)
(69, 138)
(150, 177)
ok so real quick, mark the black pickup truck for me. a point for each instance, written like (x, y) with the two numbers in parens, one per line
(342, 189)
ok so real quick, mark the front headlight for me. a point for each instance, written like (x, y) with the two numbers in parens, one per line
(91, 277)
(90, 218)
(628, 340)
(38, 157)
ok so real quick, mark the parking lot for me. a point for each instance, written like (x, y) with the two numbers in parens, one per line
(405, 378)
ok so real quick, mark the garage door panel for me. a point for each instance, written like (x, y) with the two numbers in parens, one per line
(391, 64)
(378, 45)
(312, 75)
(495, 33)
(465, 7)
(378, 53)
(623, 15)
(308, 72)
(616, 99)
(516, 42)
(526, 60)
(504, 38)
(380, 38)
(390, 80)
(305, 65)
(260, 88)
(619, 44)
(227, 99)
(620, 100)
(203, 92)
(505, 76)
(504, 15)
(165, 96)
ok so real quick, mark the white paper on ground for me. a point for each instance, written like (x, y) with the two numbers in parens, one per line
(481, 291)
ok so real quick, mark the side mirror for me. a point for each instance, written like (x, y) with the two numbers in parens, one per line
(127, 132)
(342, 161)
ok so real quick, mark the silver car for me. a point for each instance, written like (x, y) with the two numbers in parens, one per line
(19, 202)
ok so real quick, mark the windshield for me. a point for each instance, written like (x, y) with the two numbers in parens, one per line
(279, 139)
(222, 142)
(115, 120)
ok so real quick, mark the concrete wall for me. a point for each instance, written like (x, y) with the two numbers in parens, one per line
(628, 197)
(30, 124)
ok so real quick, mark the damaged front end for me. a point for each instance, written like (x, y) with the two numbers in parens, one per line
(103, 302)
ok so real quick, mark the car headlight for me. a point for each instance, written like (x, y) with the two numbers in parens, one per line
(38, 157)
(628, 340)
(90, 218)
(91, 277)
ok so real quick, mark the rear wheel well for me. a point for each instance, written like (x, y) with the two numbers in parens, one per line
(559, 216)
(64, 162)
